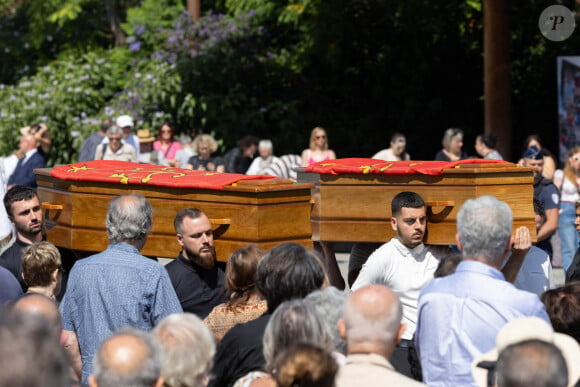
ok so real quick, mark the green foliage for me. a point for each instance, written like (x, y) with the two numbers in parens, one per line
(145, 23)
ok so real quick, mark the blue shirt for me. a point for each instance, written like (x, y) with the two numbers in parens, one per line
(111, 290)
(459, 317)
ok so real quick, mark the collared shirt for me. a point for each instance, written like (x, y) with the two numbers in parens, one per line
(459, 317)
(406, 271)
(199, 290)
(370, 369)
(113, 289)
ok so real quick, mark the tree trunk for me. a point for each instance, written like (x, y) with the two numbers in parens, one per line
(114, 22)
(194, 8)
(497, 68)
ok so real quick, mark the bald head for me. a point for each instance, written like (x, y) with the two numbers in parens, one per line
(129, 357)
(41, 306)
(372, 319)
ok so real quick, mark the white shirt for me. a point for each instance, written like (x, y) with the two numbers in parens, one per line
(535, 275)
(259, 165)
(406, 271)
(388, 155)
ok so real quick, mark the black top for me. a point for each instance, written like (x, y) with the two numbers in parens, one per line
(236, 162)
(11, 259)
(573, 272)
(198, 289)
(196, 163)
(240, 352)
(441, 156)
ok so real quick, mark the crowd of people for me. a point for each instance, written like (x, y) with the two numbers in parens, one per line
(484, 312)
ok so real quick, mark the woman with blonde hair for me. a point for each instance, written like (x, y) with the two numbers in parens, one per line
(42, 269)
(568, 181)
(452, 146)
(318, 150)
(204, 145)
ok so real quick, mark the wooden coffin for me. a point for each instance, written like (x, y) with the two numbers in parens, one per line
(357, 207)
(266, 212)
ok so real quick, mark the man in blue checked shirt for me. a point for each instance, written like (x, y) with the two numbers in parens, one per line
(116, 288)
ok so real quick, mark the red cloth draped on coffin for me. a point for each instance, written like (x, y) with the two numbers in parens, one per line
(373, 166)
(109, 171)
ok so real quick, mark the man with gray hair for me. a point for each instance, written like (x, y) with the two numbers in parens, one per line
(532, 363)
(372, 328)
(460, 314)
(187, 349)
(129, 357)
(114, 148)
(117, 287)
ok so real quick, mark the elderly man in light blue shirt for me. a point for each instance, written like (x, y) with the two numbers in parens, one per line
(116, 288)
(460, 315)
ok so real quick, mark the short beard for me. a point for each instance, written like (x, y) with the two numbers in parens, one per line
(206, 261)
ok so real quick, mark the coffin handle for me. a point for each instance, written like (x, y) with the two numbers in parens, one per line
(441, 215)
(51, 206)
(222, 226)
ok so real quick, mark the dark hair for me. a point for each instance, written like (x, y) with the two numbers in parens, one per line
(288, 271)
(192, 213)
(537, 138)
(539, 210)
(447, 265)
(166, 123)
(105, 125)
(406, 199)
(240, 274)
(305, 365)
(489, 139)
(17, 194)
(563, 307)
(247, 141)
(531, 363)
(397, 136)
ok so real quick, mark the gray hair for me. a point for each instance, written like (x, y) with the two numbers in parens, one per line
(129, 218)
(187, 349)
(114, 129)
(265, 144)
(531, 363)
(329, 303)
(484, 226)
(145, 375)
(293, 322)
(379, 328)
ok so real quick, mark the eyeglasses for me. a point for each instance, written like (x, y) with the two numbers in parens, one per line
(166, 131)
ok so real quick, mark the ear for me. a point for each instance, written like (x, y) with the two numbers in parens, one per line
(394, 223)
(400, 332)
(179, 238)
(459, 247)
(92, 381)
(54, 275)
(341, 328)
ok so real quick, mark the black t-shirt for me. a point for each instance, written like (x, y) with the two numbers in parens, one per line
(198, 289)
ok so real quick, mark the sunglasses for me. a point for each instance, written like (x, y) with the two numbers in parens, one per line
(319, 137)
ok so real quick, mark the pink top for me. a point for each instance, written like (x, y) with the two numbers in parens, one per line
(168, 152)
(312, 161)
